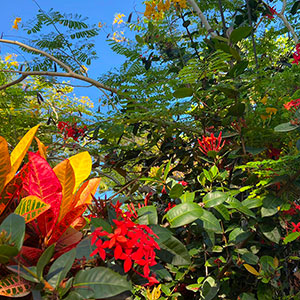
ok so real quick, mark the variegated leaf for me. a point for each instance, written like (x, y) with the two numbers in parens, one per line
(31, 207)
(14, 286)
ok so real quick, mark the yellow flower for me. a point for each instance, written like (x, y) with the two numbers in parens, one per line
(264, 100)
(271, 110)
(83, 69)
(8, 57)
(16, 22)
(118, 18)
(155, 294)
(264, 117)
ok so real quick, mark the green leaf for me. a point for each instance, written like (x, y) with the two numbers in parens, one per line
(234, 203)
(183, 92)
(14, 225)
(252, 202)
(84, 248)
(223, 211)
(176, 191)
(238, 235)
(250, 258)
(60, 268)
(44, 260)
(183, 214)
(237, 110)
(7, 252)
(291, 237)
(238, 68)
(209, 288)
(208, 175)
(210, 222)
(167, 169)
(147, 215)
(285, 127)
(240, 33)
(214, 171)
(98, 222)
(270, 206)
(188, 197)
(172, 250)
(214, 198)
(271, 232)
(295, 7)
(100, 282)
(247, 296)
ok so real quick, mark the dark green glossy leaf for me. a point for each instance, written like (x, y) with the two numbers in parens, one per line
(172, 250)
(214, 198)
(183, 92)
(176, 191)
(100, 282)
(44, 260)
(183, 214)
(240, 33)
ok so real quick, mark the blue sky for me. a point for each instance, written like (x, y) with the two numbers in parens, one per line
(96, 10)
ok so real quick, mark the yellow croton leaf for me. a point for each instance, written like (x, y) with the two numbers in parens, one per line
(19, 152)
(16, 23)
(42, 148)
(251, 270)
(82, 167)
(5, 166)
(84, 194)
(66, 177)
(155, 294)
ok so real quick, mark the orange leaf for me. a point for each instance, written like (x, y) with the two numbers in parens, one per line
(42, 148)
(4, 162)
(19, 152)
(14, 285)
(66, 177)
(84, 194)
(251, 270)
(82, 167)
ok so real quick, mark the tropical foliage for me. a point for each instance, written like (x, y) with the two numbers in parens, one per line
(198, 153)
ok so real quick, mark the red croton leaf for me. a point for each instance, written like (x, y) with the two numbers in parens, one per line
(41, 181)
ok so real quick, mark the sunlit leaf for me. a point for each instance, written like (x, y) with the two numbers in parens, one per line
(4, 162)
(31, 207)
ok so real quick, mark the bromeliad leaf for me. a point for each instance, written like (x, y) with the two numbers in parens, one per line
(31, 207)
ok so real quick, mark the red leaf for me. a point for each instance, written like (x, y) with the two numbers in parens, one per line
(65, 223)
(29, 256)
(42, 182)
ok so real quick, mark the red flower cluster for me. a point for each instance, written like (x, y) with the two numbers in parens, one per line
(183, 183)
(211, 143)
(293, 210)
(71, 130)
(296, 227)
(292, 105)
(273, 12)
(170, 205)
(131, 242)
(296, 55)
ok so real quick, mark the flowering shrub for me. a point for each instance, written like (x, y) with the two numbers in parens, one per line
(71, 130)
(211, 143)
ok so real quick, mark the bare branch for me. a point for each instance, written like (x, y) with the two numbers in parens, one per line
(200, 14)
(69, 72)
(20, 79)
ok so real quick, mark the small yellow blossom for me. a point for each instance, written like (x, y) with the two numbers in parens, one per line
(155, 294)
(264, 100)
(264, 117)
(16, 23)
(8, 57)
(271, 110)
(118, 18)
(83, 69)
(118, 37)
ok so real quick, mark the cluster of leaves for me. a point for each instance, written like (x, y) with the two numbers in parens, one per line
(223, 213)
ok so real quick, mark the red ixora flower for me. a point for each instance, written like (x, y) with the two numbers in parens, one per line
(183, 183)
(273, 12)
(296, 55)
(296, 227)
(292, 105)
(130, 242)
(211, 143)
(71, 130)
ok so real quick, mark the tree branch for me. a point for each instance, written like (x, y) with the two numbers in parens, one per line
(20, 79)
(200, 14)
(69, 73)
